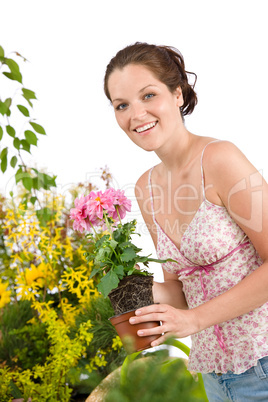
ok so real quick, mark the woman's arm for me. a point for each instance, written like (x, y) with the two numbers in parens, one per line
(170, 291)
(245, 194)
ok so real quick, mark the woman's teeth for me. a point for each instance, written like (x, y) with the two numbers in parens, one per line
(146, 127)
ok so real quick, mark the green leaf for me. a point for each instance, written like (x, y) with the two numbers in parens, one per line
(39, 129)
(16, 143)
(94, 272)
(19, 175)
(3, 153)
(33, 199)
(14, 70)
(128, 254)
(30, 137)
(27, 181)
(43, 180)
(178, 344)
(1, 133)
(28, 94)
(2, 53)
(4, 164)
(125, 367)
(4, 107)
(11, 131)
(13, 161)
(23, 110)
(44, 215)
(108, 283)
(119, 271)
(25, 146)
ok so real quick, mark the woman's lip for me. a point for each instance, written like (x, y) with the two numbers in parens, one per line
(150, 125)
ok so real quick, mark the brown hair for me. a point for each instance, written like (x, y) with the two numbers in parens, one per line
(165, 62)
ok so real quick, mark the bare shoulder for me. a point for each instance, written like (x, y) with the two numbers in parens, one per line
(223, 158)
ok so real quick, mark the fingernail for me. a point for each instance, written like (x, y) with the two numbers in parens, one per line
(138, 312)
(132, 320)
(140, 332)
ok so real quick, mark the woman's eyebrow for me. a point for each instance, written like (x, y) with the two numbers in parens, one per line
(141, 90)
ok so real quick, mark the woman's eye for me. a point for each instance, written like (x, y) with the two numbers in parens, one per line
(122, 106)
(149, 96)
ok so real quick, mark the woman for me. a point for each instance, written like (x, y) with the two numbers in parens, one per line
(206, 208)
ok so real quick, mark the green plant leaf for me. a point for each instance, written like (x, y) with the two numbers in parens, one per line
(27, 181)
(1, 133)
(44, 180)
(128, 254)
(44, 215)
(25, 145)
(13, 161)
(19, 175)
(16, 143)
(125, 366)
(23, 110)
(2, 52)
(39, 129)
(4, 164)
(94, 271)
(33, 199)
(11, 131)
(119, 271)
(14, 70)
(107, 283)
(28, 95)
(3, 153)
(30, 137)
(5, 107)
(178, 344)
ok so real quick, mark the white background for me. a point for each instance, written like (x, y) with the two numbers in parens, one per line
(68, 45)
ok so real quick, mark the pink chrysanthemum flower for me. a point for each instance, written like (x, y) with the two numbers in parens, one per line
(100, 202)
(121, 203)
(80, 211)
(93, 209)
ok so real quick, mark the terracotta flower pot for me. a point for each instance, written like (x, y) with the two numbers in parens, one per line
(128, 332)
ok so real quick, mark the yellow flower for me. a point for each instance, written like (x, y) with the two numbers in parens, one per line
(4, 294)
(35, 274)
(117, 343)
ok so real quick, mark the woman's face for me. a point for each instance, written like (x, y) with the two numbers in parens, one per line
(144, 107)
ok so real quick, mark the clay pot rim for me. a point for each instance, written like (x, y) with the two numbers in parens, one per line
(128, 311)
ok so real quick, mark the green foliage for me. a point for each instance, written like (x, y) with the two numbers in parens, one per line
(154, 378)
(21, 343)
(23, 130)
(115, 256)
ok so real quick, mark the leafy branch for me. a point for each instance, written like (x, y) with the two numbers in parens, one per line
(22, 139)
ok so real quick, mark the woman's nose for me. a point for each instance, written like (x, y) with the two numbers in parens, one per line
(138, 111)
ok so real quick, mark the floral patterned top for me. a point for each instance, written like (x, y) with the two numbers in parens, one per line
(215, 255)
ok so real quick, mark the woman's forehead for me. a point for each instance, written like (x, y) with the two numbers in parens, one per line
(131, 77)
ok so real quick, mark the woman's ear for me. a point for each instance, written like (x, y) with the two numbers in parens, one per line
(179, 97)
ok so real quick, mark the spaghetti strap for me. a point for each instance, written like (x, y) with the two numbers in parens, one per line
(202, 170)
(151, 193)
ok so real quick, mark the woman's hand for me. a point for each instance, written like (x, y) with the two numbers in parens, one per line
(175, 322)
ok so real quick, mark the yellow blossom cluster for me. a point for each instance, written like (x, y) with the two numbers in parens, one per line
(4, 294)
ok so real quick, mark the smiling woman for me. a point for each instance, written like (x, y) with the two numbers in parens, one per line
(206, 208)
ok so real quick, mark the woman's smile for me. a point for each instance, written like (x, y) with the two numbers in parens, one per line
(146, 128)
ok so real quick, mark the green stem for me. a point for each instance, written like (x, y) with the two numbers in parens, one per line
(119, 217)
(96, 234)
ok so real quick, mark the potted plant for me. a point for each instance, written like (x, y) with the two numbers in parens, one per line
(115, 258)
